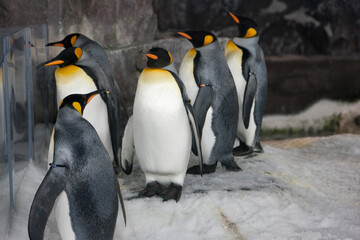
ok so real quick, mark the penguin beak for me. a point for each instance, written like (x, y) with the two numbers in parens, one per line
(93, 94)
(58, 44)
(234, 17)
(185, 35)
(56, 62)
(152, 56)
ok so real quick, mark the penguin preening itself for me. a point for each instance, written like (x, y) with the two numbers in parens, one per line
(81, 178)
(209, 81)
(97, 52)
(160, 129)
(247, 64)
(78, 72)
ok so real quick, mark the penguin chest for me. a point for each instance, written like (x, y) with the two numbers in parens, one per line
(73, 79)
(162, 134)
(186, 74)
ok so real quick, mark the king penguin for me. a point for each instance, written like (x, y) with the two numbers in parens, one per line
(97, 52)
(208, 78)
(78, 72)
(81, 179)
(247, 64)
(160, 129)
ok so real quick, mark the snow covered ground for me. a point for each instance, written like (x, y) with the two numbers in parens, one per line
(308, 192)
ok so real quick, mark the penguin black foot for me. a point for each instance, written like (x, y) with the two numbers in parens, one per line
(172, 192)
(242, 150)
(206, 169)
(231, 165)
(258, 148)
(152, 189)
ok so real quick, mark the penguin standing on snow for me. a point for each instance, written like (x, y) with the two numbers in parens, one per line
(208, 78)
(160, 129)
(78, 72)
(247, 64)
(81, 177)
(98, 53)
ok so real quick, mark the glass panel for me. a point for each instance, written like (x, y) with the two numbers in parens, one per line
(6, 196)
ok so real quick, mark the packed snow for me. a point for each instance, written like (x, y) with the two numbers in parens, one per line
(311, 192)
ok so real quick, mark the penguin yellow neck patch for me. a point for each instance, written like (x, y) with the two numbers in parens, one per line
(171, 59)
(250, 33)
(208, 39)
(77, 106)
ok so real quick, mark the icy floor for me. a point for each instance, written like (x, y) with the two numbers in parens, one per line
(312, 192)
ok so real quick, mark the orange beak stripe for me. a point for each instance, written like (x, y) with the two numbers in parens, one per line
(234, 17)
(185, 35)
(152, 56)
(56, 62)
(89, 99)
(59, 45)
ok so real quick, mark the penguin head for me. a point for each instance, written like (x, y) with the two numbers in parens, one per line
(79, 101)
(199, 38)
(158, 58)
(247, 27)
(67, 57)
(67, 42)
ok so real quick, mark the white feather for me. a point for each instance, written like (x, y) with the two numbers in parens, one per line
(62, 214)
(186, 74)
(208, 137)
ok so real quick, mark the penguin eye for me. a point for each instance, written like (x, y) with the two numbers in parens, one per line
(250, 33)
(208, 39)
(77, 106)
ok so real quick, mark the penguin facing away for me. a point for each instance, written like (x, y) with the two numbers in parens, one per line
(78, 72)
(247, 64)
(208, 78)
(160, 129)
(97, 52)
(81, 178)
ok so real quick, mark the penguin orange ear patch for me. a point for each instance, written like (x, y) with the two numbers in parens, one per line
(73, 40)
(208, 39)
(77, 106)
(250, 33)
(78, 53)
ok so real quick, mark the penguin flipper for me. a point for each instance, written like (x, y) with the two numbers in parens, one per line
(249, 96)
(195, 132)
(202, 104)
(128, 148)
(52, 185)
(121, 201)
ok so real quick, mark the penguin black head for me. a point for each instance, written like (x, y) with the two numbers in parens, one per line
(66, 57)
(79, 101)
(247, 27)
(199, 38)
(67, 42)
(158, 58)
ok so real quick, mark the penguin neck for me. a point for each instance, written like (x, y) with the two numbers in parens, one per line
(67, 115)
(249, 44)
(210, 48)
(171, 68)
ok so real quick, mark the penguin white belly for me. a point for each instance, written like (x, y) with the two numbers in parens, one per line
(96, 111)
(162, 135)
(62, 215)
(234, 63)
(186, 74)
(208, 137)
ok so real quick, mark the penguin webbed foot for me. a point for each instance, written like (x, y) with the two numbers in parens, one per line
(242, 150)
(230, 165)
(172, 192)
(206, 169)
(258, 148)
(152, 189)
